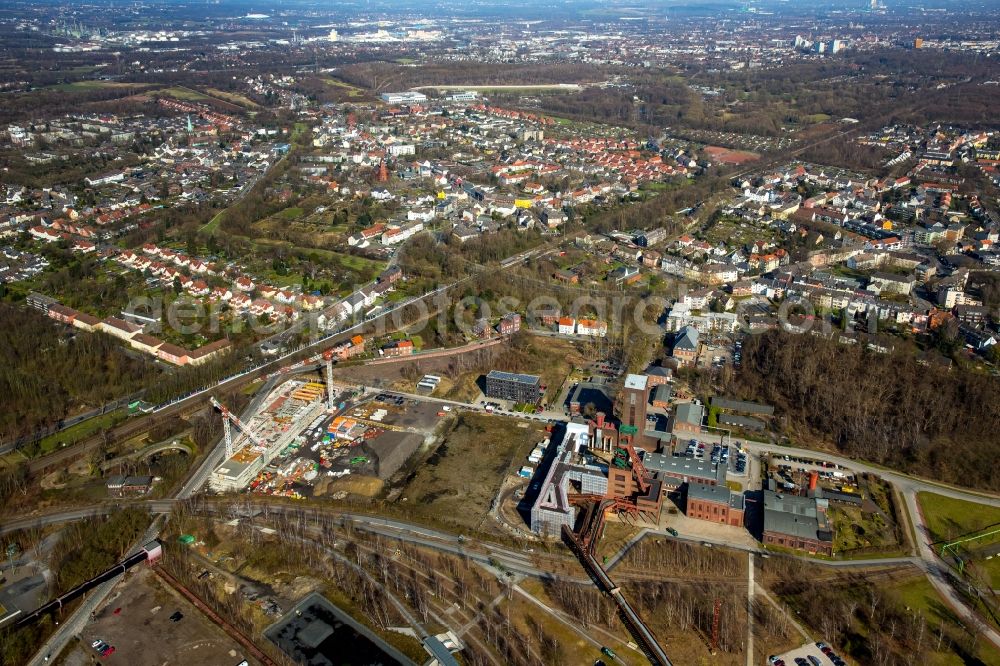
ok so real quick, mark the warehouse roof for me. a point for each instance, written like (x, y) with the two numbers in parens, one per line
(794, 515)
(742, 406)
(680, 466)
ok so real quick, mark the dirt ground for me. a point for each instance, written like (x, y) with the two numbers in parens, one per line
(550, 358)
(365, 486)
(419, 416)
(459, 481)
(143, 635)
(388, 374)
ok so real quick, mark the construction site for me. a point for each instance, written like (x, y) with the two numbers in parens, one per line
(269, 433)
(307, 434)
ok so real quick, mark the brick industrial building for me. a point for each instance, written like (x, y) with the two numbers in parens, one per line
(715, 503)
(797, 522)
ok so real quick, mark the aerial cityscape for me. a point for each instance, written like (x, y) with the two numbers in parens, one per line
(500, 334)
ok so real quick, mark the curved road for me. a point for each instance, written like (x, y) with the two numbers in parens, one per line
(936, 570)
(938, 573)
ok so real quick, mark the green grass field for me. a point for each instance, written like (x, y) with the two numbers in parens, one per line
(298, 130)
(212, 225)
(352, 91)
(918, 595)
(991, 568)
(510, 89)
(185, 94)
(949, 518)
(290, 214)
(854, 528)
(80, 431)
(233, 98)
(87, 86)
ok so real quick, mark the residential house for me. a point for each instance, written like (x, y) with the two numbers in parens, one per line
(118, 328)
(398, 348)
(687, 419)
(592, 327)
(686, 345)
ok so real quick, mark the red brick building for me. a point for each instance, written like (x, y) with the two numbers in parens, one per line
(716, 504)
(509, 324)
(401, 348)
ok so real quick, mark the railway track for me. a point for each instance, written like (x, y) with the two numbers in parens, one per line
(125, 431)
(133, 427)
(232, 631)
(140, 424)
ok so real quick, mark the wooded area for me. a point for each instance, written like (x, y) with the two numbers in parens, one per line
(886, 408)
(46, 375)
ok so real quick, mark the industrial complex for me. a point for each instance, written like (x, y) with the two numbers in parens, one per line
(307, 433)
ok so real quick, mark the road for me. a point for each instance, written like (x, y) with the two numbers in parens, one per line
(695, 539)
(902, 481)
(940, 576)
(78, 620)
(518, 562)
(926, 559)
(173, 443)
(515, 561)
(217, 453)
(73, 625)
(197, 399)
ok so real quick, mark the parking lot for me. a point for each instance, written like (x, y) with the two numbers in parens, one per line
(409, 413)
(810, 654)
(737, 460)
(715, 356)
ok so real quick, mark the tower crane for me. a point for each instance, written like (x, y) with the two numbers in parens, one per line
(228, 420)
(328, 359)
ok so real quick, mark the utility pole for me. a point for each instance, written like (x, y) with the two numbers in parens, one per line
(715, 625)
